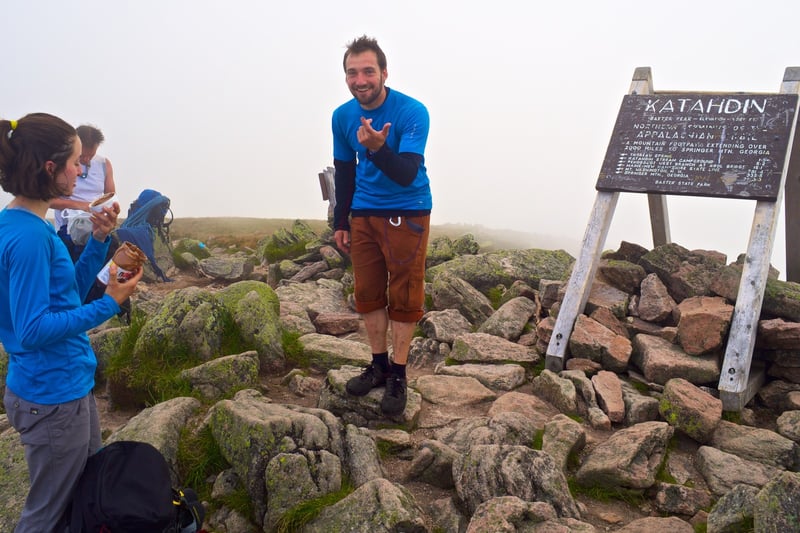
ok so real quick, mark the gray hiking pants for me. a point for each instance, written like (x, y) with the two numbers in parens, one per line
(57, 440)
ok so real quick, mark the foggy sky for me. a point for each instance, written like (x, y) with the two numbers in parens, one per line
(225, 107)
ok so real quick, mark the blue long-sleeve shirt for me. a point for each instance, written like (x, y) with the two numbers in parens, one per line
(43, 323)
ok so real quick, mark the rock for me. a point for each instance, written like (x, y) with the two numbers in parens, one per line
(563, 437)
(661, 361)
(379, 506)
(452, 390)
(444, 326)
(497, 377)
(703, 324)
(608, 389)
(485, 348)
(629, 458)
(722, 471)
(690, 409)
(756, 444)
(655, 304)
(734, 510)
(449, 292)
(510, 319)
(487, 471)
(775, 507)
(433, 464)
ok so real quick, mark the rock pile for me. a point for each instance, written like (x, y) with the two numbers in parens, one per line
(489, 440)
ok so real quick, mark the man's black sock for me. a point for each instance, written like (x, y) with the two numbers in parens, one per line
(399, 370)
(381, 360)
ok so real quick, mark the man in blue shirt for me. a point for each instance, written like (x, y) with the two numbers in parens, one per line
(382, 213)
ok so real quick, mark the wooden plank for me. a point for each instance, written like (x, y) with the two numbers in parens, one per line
(583, 272)
(659, 219)
(736, 387)
(734, 378)
(580, 281)
(791, 81)
(323, 185)
(642, 83)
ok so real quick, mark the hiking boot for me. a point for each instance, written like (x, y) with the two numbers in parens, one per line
(371, 377)
(394, 398)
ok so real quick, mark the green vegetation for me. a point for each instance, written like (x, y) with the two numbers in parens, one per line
(495, 295)
(632, 497)
(295, 518)
(199, 457)
(234, 231)
(732, 416)
(663, 474)
(293, 349)
(151, 374)
(538, 437)
(576, 418)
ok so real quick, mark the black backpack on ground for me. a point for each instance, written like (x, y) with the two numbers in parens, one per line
(126, 488)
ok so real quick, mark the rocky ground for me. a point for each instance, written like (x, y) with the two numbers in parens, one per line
(607, 515)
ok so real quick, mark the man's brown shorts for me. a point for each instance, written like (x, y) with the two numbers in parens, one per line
(390, 251)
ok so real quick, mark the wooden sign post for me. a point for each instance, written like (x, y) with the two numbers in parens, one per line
(729, 145)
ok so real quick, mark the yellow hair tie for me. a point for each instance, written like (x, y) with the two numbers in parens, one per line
(13, 124)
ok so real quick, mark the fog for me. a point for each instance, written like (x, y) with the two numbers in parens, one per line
(225, 106)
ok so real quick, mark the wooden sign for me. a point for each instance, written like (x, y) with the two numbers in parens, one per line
(709, 144)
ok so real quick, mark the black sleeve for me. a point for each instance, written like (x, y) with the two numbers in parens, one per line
(344, 181)
(400, 168)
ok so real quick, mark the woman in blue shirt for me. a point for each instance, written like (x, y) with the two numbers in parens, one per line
(43, 323)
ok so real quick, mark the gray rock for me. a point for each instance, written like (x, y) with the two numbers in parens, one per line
(559, 392)
(487, 270)
(226, 268)
(678, 499)
(629, 458)
(255, 309)
(789, 425)
(485, 348)
(563, 437)
(510, 319)
(776, 505)
(449, 292)
(361, 410)
(216, 378)
(327, 352)
(733, 511)
(446, 516)
(161, 426)
(444, 326)
(756, 444)
(660, 360)
(298, 476)
(452, 390)
(378, 506)
(362, 456)
(502, 428)
(487, 471)
(723, 471)
(655, 304)
(638, 407)
(433, 464)
(497, 377)
(250, 431)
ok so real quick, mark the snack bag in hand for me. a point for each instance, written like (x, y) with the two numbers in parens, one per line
(128, 258)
